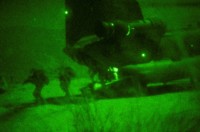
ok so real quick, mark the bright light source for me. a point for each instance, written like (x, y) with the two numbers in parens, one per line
(112, 24)
(143, 55)
(115, 69)
(66, 12)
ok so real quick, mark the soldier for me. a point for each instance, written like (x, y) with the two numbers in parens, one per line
(39, 79)
(65, 77)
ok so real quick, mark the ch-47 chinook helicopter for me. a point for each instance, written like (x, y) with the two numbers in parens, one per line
(114, 40)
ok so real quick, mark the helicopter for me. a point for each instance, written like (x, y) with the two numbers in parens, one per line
(127, 51)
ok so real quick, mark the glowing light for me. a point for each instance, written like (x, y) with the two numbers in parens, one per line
(143, 55)
(115, 69)
(112, 24)
(129, 31)
(66, 12)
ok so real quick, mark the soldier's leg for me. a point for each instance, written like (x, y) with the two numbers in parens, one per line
(65, 87)
(37, 92)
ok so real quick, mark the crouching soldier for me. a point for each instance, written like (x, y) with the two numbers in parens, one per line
(65, 77)
(39, 79)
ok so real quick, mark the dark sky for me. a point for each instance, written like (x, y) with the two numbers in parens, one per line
(32, 33)
(34, 13)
